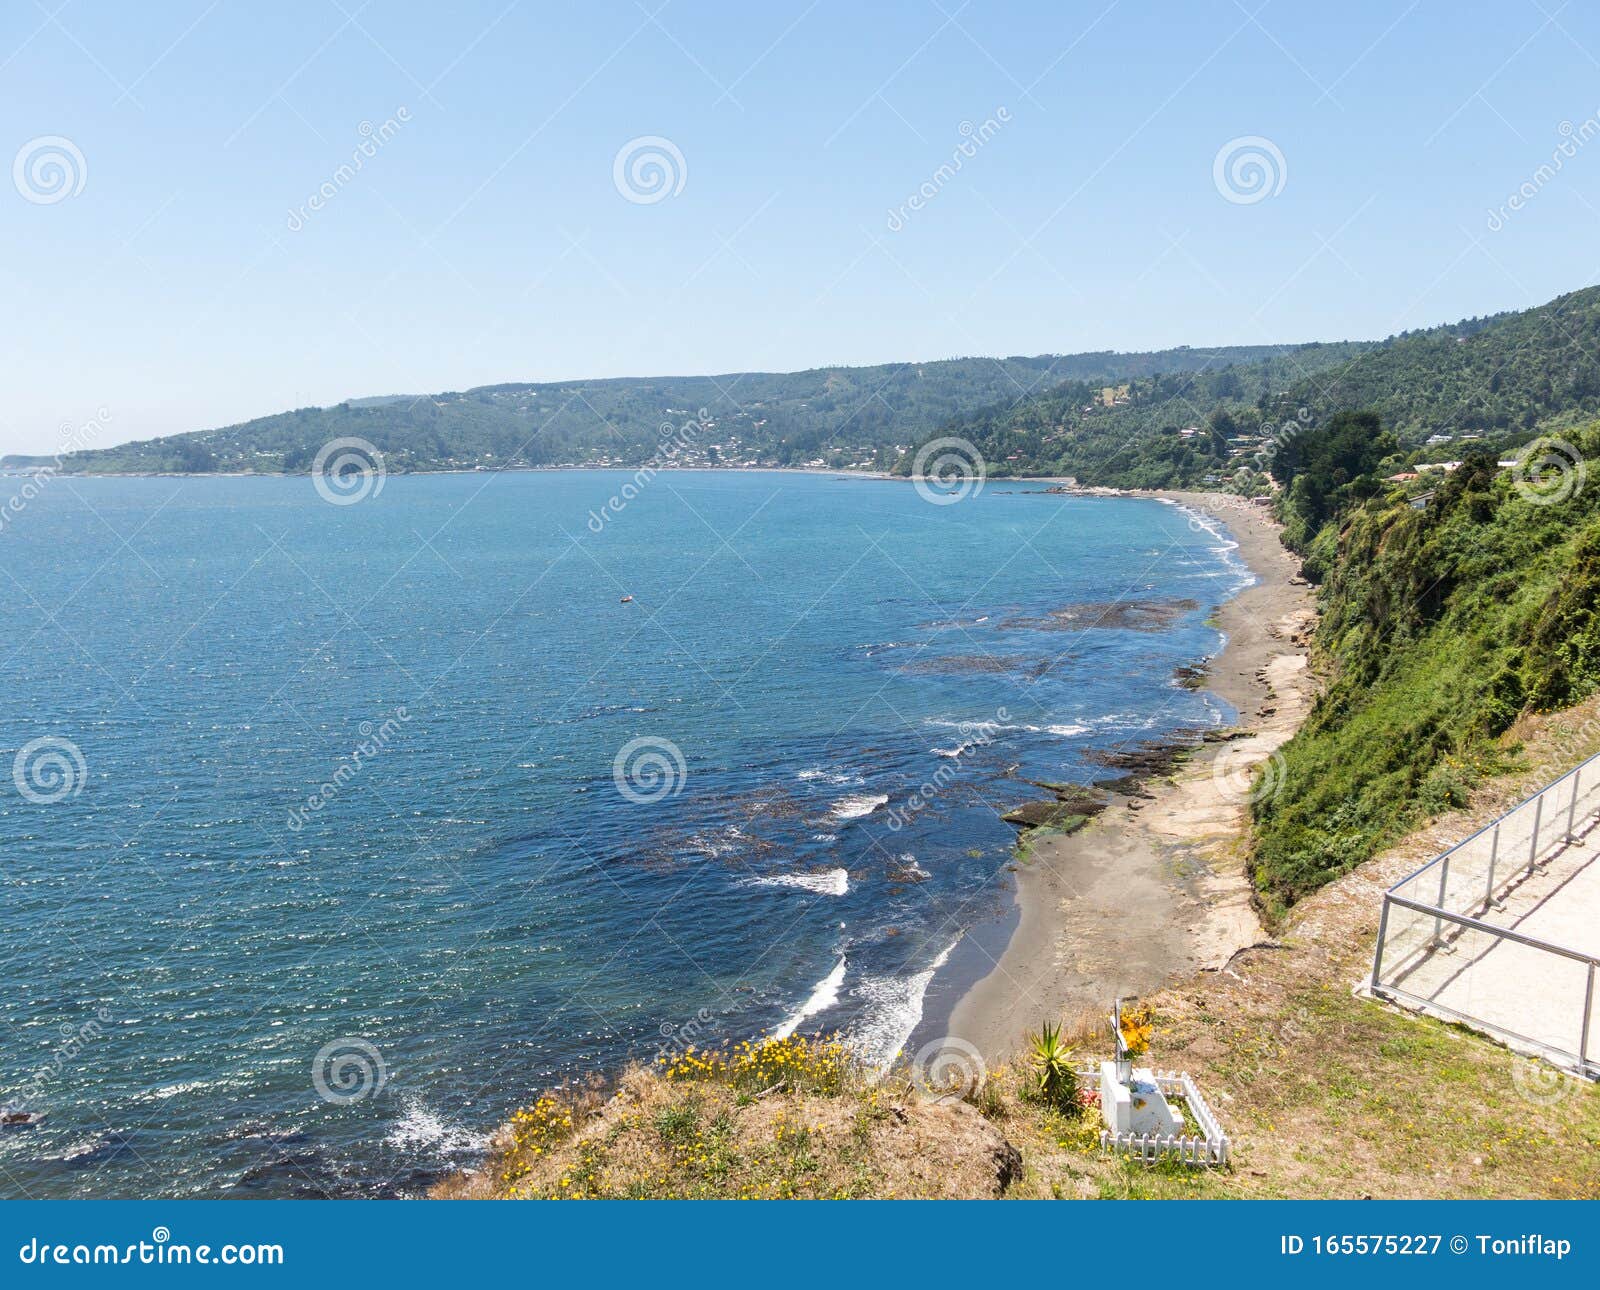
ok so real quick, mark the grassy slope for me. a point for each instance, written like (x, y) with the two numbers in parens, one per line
(1439, 627)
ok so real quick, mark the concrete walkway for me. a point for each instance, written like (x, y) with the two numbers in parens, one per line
(1529, 997)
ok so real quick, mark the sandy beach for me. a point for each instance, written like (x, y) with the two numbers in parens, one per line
(1155, 887)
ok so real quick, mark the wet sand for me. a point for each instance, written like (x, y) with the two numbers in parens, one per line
(1155, 887)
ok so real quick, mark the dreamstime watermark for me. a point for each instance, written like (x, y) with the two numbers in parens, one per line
(973, 137)
(1249, 169)
(1573, 137)
(348, 1069)
(347, 471)
(1277, 438)
(160, 1250)
(374, 739)
(48, 769)
(1542, 1084)
(373, 138)
(49, 169)
(679, 1037)
(970, 735)
(1238, 773)
(673, 441)
(649, 169)
(71, 440)
(649, 768)
(949, 1067)
(948, 470)
(74, 1039)
(1551, 471)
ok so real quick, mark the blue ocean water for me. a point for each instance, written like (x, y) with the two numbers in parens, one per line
(334, 832)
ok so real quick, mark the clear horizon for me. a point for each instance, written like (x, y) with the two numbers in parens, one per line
(216, 215)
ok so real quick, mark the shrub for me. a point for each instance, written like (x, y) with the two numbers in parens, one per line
(1055, 1082)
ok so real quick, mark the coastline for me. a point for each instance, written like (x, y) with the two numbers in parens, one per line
(1155, 888)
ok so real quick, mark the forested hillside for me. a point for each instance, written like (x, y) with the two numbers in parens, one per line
(1491, 381)
(837, 416)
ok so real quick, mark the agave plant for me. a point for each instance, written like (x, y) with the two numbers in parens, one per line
(1055, 1081)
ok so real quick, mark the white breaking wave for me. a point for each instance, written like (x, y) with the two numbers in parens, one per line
(856, 805)
(829, 882)
(893, 1011)
(829, 775)
(419, 1128)
(1226, 547)
(987, 730)
(824, 996)
(910, 867)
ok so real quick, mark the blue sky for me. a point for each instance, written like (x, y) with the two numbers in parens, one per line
(179, 280)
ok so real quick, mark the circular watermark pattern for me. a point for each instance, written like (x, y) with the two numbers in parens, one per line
(649, 169)
(948, 470)
(348, 1069)
(1249, 169)
(49, 169)
(1541, 1083)
(1551, 472)
(1237, 773)
(648, 769)
(48, 769)
(949, 1067)
(347, 471)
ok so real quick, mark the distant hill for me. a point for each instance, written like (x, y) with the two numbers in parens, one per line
(836, 416)
(1489, 381)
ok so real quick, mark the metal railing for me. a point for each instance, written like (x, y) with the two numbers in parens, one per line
(1532, 985)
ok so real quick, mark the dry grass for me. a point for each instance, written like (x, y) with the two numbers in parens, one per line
(702, 1128)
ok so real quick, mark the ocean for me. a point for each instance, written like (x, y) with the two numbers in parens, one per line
(335, 832)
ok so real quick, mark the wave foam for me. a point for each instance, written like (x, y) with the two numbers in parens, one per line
(420, 1128)
(823, 996)
(829, 775)
(854, 806)
(894, 1009)
(827, 882)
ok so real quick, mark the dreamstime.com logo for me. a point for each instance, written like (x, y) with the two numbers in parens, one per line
(973, 137)
(49, 169)
(649, 169)
(73, 439)
(673, 441)
(1550, 472)
(970, 735)
(948, 470)
(373, 138)
(1541, 1083)
(48, 769)
(949, 1067)
(348, 1069)
(1249, 169)
(648, 769)
(160, 1249)
(348, 471)
(1238, 773)
(76, 1037)
(1573, 137)
(374, 740)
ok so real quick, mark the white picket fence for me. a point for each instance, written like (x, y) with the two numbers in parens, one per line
(1210, 1147)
